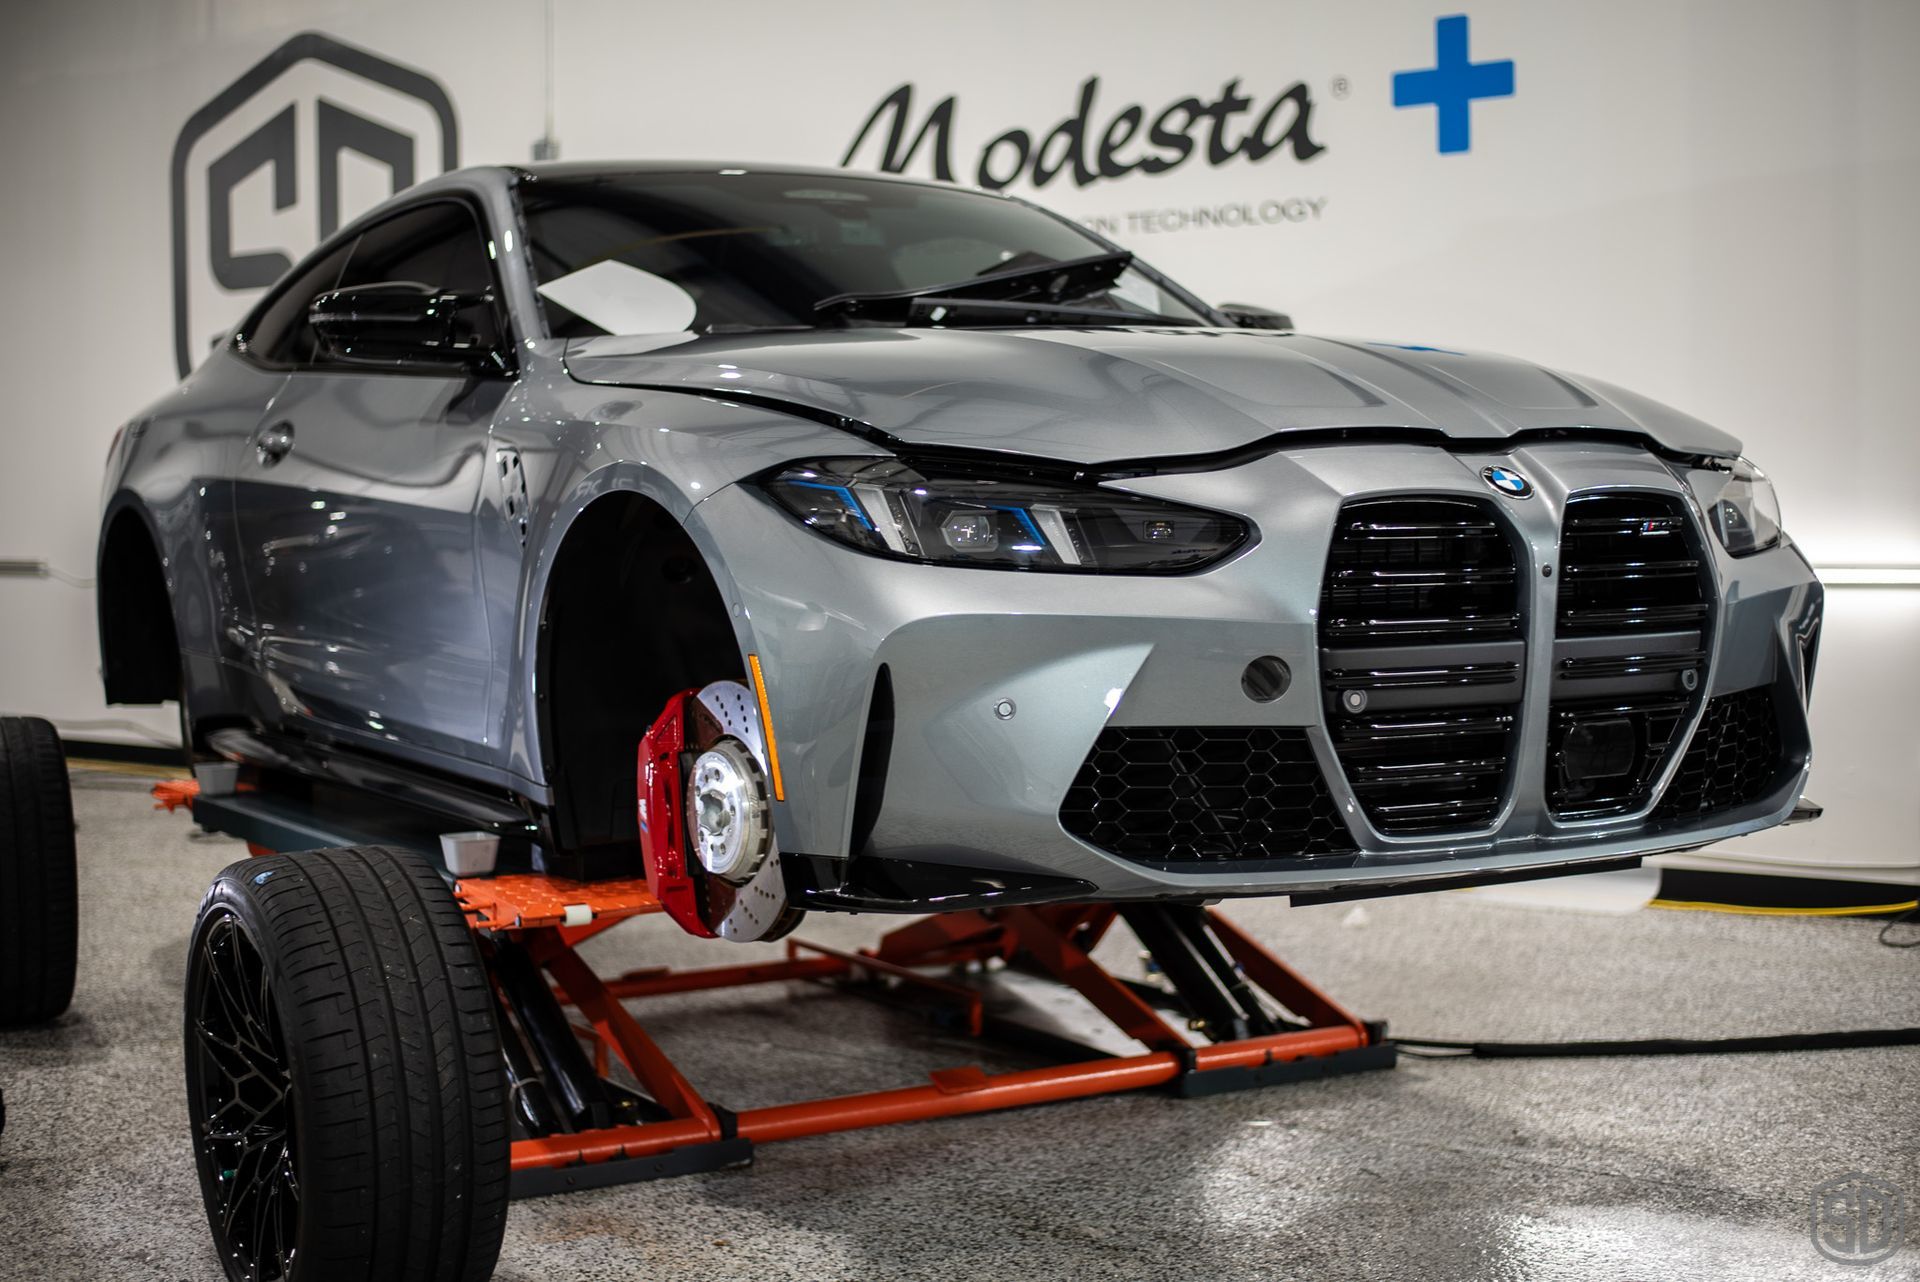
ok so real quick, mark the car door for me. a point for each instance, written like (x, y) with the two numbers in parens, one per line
(355, 513)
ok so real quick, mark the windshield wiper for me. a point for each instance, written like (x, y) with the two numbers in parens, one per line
(744, 327)
(935, 310)
(1052, 282)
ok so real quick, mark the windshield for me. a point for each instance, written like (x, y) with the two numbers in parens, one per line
(653, 253)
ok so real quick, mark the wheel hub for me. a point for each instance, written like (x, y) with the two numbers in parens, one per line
(727, 811)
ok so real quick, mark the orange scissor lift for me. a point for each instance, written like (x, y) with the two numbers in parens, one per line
(1227, 1015)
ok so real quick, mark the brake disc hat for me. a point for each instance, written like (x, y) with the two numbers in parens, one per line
(727, 811)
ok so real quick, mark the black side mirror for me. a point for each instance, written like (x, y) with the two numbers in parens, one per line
(1247, 316)
(403, 323)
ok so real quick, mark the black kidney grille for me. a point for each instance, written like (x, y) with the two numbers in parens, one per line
(1628, 563)
(1631, 631)
(1427, 771)
(1733, 760)
(1421, 656)
(1418, 570)
(1206, 793)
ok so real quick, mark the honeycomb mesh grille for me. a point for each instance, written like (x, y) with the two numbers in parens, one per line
(1198, 794)
(1733, 761)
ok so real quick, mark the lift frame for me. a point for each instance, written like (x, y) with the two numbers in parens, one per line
(1210, 1027)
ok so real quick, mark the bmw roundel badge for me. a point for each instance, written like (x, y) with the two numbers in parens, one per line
(1508, 482)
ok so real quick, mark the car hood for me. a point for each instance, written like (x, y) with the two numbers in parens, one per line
(1101, 395)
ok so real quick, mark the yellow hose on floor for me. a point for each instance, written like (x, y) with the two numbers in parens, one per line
(1864, 910)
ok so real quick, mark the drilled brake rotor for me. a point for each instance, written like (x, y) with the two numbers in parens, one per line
(731, 851)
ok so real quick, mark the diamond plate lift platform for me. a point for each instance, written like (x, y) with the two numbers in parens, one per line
(1227, 1016)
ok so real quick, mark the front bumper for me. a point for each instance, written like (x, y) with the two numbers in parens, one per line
(999, 683)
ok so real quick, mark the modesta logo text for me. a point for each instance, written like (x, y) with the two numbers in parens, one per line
(310, 137)
(1093, 143)
(1247, 121)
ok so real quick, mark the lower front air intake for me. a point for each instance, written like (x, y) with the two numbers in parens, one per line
(1734, 759)
(1203, 794)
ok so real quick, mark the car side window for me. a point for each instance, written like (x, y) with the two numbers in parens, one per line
(279, 333)
(439, 245)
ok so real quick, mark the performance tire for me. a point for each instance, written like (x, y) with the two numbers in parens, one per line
(39, 884)
(345, 1086)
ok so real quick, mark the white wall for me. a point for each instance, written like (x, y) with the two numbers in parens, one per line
(1709, 202)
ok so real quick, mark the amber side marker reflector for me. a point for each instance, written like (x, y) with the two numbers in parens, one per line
(766, 727)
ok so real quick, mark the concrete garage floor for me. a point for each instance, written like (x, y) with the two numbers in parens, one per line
(1604, 1169)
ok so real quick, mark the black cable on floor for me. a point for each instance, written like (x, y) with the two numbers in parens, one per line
(1435, 1049)
(1911, 918)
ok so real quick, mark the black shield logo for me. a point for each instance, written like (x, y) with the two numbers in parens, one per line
(305, 140)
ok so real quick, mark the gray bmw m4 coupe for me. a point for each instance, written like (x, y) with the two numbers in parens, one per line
(806, 540)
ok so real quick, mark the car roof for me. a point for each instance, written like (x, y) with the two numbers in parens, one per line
(589, 169)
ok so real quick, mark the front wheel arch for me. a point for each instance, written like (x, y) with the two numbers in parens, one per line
(632, 614)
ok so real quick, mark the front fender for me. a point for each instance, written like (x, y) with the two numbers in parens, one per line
(673, 449)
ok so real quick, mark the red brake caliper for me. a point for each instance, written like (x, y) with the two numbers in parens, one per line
(663, 828)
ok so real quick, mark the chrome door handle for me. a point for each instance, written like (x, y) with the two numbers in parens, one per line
(271, 444)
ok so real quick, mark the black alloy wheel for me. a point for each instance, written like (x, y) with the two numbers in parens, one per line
(345, 1083)
(240, 1093)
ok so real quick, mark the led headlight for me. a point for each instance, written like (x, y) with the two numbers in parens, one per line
(1740, 504)
(930, 512)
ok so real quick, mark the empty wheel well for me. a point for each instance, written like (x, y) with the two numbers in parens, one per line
(139, 649)
(632, 617)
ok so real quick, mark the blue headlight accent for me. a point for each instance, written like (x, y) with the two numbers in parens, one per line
(1020, 515)
(846, 496)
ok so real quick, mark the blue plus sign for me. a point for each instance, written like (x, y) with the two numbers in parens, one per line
(1453, 83)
